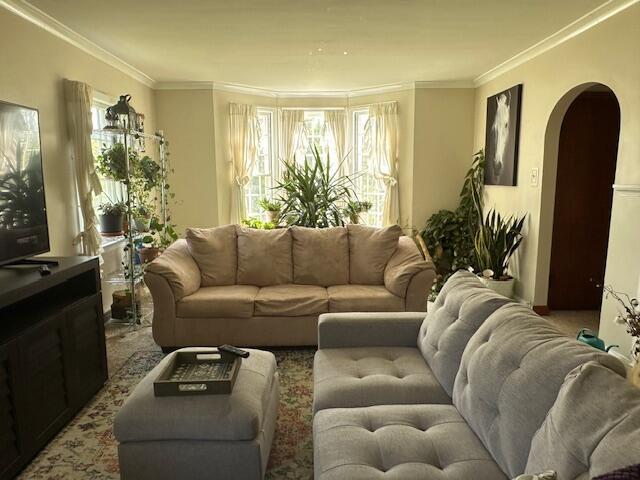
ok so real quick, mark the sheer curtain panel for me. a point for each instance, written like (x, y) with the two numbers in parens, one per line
(78, 97)
(291, 129)
(243, 143)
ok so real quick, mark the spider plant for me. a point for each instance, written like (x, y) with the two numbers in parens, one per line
(312, 196)
(496, 241)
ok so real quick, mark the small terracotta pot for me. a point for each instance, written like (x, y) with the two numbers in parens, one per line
(148, 254)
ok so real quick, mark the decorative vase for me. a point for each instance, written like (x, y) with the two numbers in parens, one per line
(272, 216)
(111, 225)
(501, 287)
(148, 254)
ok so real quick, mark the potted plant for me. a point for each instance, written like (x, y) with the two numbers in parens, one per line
(355, 208)
(496, 241)
(312, 196)
(112, 162)
(159, 238)
(142, 218)
(112, 218)
(272, 208)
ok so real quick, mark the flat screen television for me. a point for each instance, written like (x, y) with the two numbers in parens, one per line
(23, 211)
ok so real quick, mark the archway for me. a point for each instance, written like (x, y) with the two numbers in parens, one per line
(581, 144)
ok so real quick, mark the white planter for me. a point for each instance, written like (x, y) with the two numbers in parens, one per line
(502, 287)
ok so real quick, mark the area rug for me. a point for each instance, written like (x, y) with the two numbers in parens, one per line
(87, 450)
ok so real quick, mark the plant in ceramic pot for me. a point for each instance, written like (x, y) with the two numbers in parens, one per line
(496, 241)
(312, 194)
(111, 218)
(355, 208)
(142, 218)
(272, 209)
(160, 237)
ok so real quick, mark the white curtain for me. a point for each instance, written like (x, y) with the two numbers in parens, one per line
(383, 128)
(243, 144)
(291, 130)
(78, 97)
(336, 122)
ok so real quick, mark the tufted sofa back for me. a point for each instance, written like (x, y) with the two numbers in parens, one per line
(461, 307)
(509, 377)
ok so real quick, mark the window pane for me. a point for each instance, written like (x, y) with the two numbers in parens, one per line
(261, 183)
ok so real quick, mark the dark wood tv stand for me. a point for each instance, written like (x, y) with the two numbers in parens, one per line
(52, 353)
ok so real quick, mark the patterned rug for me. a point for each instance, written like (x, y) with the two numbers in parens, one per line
(87, 450)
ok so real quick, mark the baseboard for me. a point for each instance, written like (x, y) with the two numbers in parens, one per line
(542, 310)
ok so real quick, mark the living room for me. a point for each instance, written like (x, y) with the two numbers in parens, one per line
(316, 175)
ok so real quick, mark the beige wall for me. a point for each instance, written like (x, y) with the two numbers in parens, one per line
(34, 65)
(607, 53)
(443, 149)
(186, 118)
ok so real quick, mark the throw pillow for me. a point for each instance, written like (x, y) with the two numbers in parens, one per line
(320, 256)
(215, 252)
(370, 249)
(264, 257)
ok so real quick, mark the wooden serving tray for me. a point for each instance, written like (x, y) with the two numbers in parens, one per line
(204, 372)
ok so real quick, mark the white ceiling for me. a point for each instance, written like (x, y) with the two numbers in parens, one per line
(300, 45)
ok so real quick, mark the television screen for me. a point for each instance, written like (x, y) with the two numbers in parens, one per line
(23, 213)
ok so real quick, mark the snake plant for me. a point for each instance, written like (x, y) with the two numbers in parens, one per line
(496, 241)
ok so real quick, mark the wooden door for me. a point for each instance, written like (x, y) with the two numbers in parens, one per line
(587, 156)
(12, 442)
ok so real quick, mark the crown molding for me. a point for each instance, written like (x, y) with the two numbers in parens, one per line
(53, 26)
(263, 92)
(575, 28)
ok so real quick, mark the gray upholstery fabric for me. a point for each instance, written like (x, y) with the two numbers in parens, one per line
(366, 329)
(593, 427)
(358, 377)
(239, 416)
(461, 307)
(509, 377)
(202, 459)
(399, 442)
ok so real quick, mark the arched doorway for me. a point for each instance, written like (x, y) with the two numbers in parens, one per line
(587, 151)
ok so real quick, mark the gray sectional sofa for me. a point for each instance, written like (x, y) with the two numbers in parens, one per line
(480, 389)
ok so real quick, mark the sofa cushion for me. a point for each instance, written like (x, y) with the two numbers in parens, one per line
(509, 377)
(320, 256)
(264, 256)
(215, 252)
(592, 428)
(178, 268)
(403, 265)
(370, 249)
(398, 442)
(461, 307)
(291, 300)
(219, 302)
(363, 298)
(238, 416)
(363, 376)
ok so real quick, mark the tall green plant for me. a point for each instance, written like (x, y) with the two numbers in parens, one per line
(497, 240)
(450, 234)
(312, 196)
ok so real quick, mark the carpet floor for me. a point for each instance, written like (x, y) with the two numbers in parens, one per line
(87, 449)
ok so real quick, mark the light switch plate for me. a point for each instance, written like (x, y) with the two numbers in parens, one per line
(533, 179)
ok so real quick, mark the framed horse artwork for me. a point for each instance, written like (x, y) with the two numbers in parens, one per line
(502, 137)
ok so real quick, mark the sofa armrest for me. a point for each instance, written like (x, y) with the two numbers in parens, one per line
(385, 329)
(179, 268)
(164, 309)
(405, 263)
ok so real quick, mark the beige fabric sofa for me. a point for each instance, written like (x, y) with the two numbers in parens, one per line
(243, 286)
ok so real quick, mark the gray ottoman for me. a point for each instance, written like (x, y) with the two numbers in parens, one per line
(200, 437)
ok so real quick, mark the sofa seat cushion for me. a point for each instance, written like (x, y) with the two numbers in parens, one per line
(363, 298)
(399, 442)
(219, 302)
(291, 300)
(364, 376)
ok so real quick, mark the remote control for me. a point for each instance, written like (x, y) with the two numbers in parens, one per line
(234, 351)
